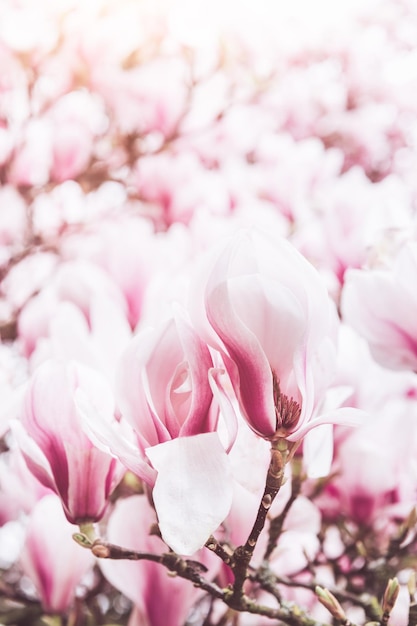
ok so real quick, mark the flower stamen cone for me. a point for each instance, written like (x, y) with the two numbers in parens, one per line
(287, 410)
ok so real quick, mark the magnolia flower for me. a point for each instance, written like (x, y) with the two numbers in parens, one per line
(274, 324)
(375, 481)
(33, 160)
(168, 434)
(87, 287)
(381, 305)
(51, 558)
(158, 598)
(19, 489)
(54, 445)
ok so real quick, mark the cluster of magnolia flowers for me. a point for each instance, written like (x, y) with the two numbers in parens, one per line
(192, 407)
(259, 344)
(208, 353)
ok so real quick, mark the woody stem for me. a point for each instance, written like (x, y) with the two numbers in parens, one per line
(243, 554)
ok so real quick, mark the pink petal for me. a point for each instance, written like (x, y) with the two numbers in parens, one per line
(133, 392)
(318, 451)
(49, 545)
(344, 416)
(35, 459)
(245, 350)
(159, 598)
(199, 362)
(112, 436)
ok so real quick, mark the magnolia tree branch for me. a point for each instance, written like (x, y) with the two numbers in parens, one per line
(243, 554)
(269, 582)
(223, 551)
(239, 560)
(191, 570)
(277, 523)
(185, 568)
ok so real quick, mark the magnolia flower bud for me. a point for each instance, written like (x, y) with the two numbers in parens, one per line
(390, 595)
(327, 599)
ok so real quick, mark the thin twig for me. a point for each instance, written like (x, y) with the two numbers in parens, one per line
(185, 568)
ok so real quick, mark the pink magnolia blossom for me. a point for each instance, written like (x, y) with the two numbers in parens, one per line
(381, 305)
(19, 489)
(274, 323)
(140, 266)
(54, 445)
(27, 277)
(71, 337)
(13, 213)
(178, 185)
(14, 88)
(290, 173)
(147, 98)
(33, 159)
(51, 558)
(158, 598)
(72, 149)
(76, 117)
(13, 376)
(375, 480)
(354, 213)
(165, 398)
(82, 284)
(371, 386)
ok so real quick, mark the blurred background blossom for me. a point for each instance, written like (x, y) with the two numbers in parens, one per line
(135, 135)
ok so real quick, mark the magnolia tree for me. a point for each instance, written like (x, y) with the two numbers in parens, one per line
(208, 313)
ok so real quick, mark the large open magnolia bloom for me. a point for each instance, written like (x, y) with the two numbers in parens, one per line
(55, 446)
(275, 326)
(168, 431)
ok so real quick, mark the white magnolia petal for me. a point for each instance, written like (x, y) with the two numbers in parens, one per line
(318, 451)
(344, 416)
(193, 491)
(112, 437)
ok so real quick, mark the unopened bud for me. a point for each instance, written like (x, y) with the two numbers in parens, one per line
(405, 531)
(360, 547)
(82, 540)
(391, 594)
(327, 599)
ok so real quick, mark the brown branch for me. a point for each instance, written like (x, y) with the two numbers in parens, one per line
(224, 552)
(243, 554)
(191, 570)
(185, 568)
(277, 523)
(269, 582)
(288, 613)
